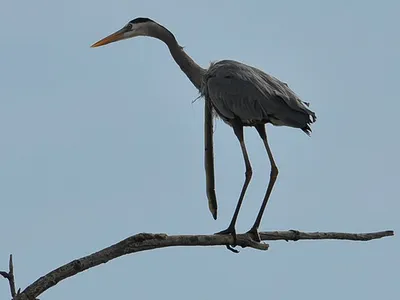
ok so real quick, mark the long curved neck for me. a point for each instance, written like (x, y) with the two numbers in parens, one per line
(192, 70)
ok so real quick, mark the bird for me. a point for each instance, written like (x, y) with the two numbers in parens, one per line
(240, 95)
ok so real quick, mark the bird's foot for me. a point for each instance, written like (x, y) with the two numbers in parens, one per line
(253, 232)
(230, 230)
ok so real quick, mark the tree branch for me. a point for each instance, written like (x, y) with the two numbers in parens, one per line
(148, 241)
(10, 276)
(294, 235)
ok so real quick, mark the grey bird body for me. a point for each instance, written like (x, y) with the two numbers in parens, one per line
(239, 91)
(241, 96)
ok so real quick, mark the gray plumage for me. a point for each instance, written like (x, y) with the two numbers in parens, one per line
(237, 90)
(241, 95)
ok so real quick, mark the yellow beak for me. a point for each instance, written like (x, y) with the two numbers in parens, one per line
(116, 36)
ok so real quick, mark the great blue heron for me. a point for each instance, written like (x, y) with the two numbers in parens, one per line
(240, 95)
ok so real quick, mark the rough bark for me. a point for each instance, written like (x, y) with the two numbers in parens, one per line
(149, 241)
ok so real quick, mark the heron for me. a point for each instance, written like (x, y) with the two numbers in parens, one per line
(240, 95)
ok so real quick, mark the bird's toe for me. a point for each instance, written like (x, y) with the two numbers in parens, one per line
(253, 232)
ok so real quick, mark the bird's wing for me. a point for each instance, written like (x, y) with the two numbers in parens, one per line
(254, 100)
(269, 85)
(237, 98)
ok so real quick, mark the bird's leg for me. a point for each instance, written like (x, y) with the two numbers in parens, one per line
(238, 129)
(272, 178)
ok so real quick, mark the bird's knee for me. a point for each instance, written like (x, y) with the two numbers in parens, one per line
(249, 173)
(274, 171)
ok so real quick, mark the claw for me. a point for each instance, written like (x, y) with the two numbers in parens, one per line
(230, 248)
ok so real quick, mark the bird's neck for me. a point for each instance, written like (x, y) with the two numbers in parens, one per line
(192, 70)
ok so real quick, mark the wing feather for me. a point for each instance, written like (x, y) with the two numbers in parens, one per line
(240, 91)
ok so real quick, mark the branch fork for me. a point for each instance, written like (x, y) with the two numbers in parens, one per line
(10, 277)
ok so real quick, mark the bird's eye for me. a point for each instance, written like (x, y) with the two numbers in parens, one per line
(129, 26)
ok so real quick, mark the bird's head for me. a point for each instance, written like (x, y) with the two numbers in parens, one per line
(136, 27)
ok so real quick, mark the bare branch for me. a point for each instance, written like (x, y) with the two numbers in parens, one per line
(4, 274)
(294, 235)
(148, 241)
(10, 276)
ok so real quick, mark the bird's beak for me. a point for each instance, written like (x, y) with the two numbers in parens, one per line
(116, 36)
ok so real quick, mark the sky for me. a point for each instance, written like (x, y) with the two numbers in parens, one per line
(100, 144)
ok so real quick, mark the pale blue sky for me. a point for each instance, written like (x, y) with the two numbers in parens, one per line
(99, 144)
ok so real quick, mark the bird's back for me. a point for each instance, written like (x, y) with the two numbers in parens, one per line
(239, 91)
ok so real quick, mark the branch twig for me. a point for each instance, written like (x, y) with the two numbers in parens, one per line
(148, 241)
(10, 276)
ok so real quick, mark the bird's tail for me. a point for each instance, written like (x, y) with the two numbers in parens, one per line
(311, 119)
